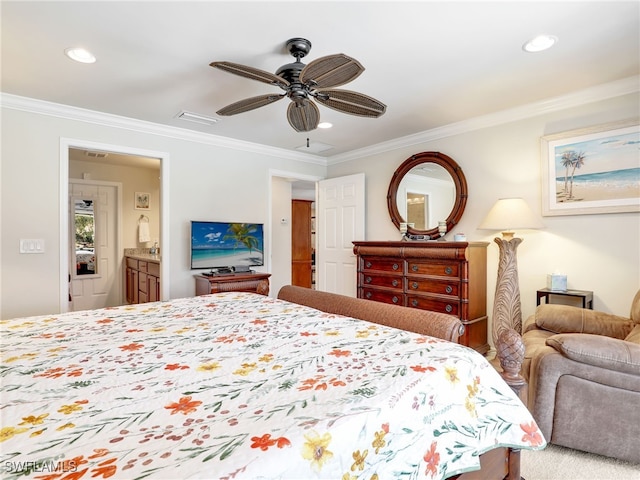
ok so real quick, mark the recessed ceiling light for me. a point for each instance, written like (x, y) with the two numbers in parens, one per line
(80, 55)
(540, 43)
(325, 125)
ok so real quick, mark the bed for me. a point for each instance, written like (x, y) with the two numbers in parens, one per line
(238, 385)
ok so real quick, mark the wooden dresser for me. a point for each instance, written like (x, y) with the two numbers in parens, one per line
(449, 277)
(235, 282)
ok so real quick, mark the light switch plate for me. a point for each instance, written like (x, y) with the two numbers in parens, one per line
(31, 245)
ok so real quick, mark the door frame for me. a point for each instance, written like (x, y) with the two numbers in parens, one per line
(292, 177)
(65, 145)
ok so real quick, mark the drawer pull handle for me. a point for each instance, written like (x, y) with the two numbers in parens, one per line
(395, 266)
(394, 282)
(448, 308)
(367, 264)
(414, 302)
(394, 299)
(368, 295)
(449, 289)
(414, 285)
(448, 270)
(368, 280)
(414, 268)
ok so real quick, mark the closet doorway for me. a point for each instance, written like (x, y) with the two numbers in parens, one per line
(303, 244)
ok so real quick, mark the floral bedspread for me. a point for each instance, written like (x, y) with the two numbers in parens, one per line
(243, 386)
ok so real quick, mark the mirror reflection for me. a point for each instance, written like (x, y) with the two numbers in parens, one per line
(426, 196)
(85, 233)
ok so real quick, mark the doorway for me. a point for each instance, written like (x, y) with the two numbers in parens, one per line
(125, 154)
(284, 186)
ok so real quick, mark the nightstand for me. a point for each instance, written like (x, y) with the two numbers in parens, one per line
(585, 296)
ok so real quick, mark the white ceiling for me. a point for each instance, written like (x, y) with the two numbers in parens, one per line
(433, 63)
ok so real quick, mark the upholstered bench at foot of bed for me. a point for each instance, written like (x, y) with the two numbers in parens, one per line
(424, 322)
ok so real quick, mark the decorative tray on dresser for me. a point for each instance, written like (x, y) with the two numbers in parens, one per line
(440, 276)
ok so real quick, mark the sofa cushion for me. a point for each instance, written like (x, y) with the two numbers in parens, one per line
(599, 351)
(568, 319)
(634, 336)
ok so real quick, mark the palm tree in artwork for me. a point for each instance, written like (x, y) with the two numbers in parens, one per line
(577, 162)
(567, 160)
(240, 233)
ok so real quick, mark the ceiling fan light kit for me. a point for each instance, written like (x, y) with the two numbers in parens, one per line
(305, 83)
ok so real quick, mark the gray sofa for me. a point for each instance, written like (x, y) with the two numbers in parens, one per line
(583, 369)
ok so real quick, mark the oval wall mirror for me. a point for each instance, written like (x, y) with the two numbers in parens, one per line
(428, 188)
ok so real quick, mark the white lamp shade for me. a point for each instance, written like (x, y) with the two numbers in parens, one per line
(508, 214)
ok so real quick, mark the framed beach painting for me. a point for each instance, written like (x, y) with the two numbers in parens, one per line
(592, 170)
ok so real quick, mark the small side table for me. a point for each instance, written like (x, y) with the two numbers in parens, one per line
(585, 295)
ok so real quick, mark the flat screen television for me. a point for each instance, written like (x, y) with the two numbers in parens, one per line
(222, 245)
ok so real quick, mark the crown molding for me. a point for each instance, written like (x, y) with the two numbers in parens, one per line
(601, 92)
(42, 107)
(594, 94)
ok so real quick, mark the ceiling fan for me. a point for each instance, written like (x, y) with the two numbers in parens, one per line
(302, 83)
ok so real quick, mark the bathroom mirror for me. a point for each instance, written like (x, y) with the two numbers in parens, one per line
(428, 188)
(84, 221)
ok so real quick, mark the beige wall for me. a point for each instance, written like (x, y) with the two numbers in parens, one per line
(133, 179)
(596, 252)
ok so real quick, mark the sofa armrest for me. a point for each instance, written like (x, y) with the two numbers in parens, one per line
(569, 319)
(599, 351)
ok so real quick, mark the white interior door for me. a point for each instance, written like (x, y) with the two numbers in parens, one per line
(340, 220)
(104, 287)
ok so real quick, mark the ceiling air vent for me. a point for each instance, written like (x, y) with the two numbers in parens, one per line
(95, 154)
(197, 118)
(314, 147)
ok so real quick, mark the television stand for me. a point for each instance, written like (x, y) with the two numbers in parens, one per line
(255, 282)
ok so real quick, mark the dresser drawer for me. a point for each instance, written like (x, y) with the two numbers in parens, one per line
(381, 264)
(383, 296)
(451, 307)
(433, 286)
(437, 269)
(388, 281)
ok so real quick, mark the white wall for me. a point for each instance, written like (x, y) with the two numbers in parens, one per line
(280, 234)
(208, 181)
(596, 252)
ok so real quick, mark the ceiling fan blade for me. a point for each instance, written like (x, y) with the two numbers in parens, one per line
(249, 104)
(353, 103)
(250, 72)
(331, 71)
(303, 117)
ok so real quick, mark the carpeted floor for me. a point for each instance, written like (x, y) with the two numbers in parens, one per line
(555, 463)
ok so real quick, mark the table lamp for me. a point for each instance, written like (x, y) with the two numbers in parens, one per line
(506, 215)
